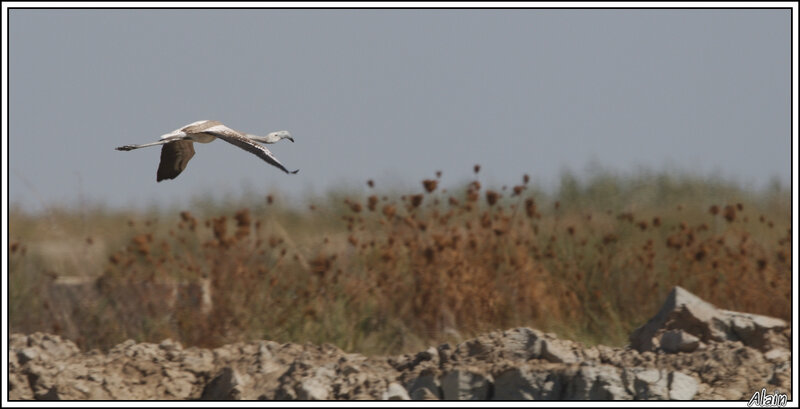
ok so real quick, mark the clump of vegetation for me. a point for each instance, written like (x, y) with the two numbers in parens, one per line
(388, 273)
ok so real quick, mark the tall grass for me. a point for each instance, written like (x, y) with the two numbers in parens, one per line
(386, 272)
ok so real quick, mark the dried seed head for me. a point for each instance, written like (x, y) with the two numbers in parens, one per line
(730, 213)
(242, 217)
(430, 185)
(530, 207)
(388, 210)
(320, 265)
(371, 202)
(609, 238)
(700, 254)
(492, 197)
(220, 228)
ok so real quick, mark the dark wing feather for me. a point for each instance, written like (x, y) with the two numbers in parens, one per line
(252, 147)
(174, 157)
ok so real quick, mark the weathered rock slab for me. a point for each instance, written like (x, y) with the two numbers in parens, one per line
(685, 313)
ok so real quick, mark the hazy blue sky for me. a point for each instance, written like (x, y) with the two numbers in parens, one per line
(393, 95)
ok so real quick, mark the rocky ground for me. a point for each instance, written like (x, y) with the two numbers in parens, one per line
(689, 350)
